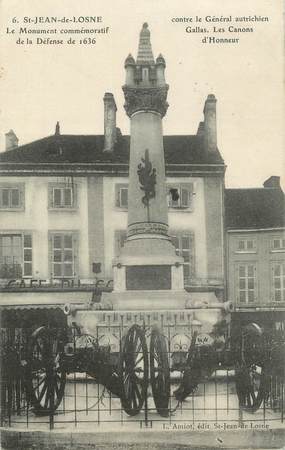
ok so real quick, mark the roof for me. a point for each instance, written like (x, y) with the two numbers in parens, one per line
(254, 208)
(81, 149)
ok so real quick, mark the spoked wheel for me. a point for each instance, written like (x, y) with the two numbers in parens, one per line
(45, 377)
(192, 373)
(133, 370)
(159, 372)
(252, 385)
(252, 379)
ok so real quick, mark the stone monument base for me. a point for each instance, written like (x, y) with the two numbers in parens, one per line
(148, 300)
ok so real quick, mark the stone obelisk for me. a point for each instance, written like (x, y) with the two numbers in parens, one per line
(148, 261)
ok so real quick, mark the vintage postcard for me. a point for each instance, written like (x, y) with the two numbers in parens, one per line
(142, 224)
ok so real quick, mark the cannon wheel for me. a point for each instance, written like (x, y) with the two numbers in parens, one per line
(252, 379)
(159, 372)
(45, 379)
(133, 370)
(192, 373)
(252, 386)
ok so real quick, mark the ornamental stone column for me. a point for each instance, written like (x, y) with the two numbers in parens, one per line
(148, 257)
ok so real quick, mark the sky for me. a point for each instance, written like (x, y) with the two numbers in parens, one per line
(43, 84)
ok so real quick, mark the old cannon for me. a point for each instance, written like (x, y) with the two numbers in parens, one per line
(148, 356)
(52, 357)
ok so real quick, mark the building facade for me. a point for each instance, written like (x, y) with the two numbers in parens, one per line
(256, 253)
(64, 204)
(57, 223)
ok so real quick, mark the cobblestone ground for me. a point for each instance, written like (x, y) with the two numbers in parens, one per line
(87, 406)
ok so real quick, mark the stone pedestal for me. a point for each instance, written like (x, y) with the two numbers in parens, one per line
(148, 263)
(148, 300)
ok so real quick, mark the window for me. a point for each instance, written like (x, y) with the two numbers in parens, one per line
(246, 283)
(11, 197)
(62, 196)
(28, 255)
(63, 249)
(122, 195)
(278, 274)
(278, 244)
(246, 245)
(15, 255)
(180, 196)
(184, 246)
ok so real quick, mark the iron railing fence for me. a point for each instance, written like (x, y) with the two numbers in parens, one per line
(85, 403)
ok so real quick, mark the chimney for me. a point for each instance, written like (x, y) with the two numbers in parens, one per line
(201, 129)
(57, 129)
(210, 123)
(272, 182)
(110, 132)
(11, 140)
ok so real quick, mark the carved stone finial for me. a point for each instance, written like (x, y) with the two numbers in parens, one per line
(145, 55)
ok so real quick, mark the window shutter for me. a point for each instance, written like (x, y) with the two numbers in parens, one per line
(75, 245)
(68, 199)
(241, 245)
(184, 200)
(50, 196)
(168, 195)
(124, 197)
(50, 255)
(191, 192)
(121, 195)
(237, 282)
(255, 284)
(75, 195)
(186, 195)
(5, 197)
(58, 197)
(117, 195)
(272, 283)
(15, 197)
(22, 195)
(192, 254)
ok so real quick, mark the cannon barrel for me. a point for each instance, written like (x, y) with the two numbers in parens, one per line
(71, 308)
(226, 306)
(94, 303)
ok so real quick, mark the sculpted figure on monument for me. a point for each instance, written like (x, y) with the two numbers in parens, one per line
(147, 178)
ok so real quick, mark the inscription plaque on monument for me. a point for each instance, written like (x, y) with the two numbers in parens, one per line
(148, 277)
